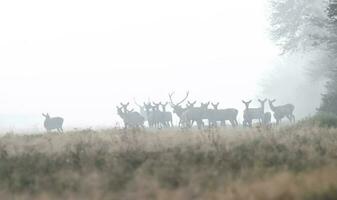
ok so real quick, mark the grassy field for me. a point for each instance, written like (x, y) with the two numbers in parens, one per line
(295, 162)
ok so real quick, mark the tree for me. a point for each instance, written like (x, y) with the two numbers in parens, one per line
(299, 24)
(310, 26)
(329, 98)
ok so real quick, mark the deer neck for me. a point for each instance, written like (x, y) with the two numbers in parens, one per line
(272, 107)
(262, 108)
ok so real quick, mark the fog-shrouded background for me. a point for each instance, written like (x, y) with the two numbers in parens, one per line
(79, 59)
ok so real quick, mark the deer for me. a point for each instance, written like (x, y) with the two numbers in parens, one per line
(150, 114)
(195, 114)
(130, 118)
(222, 115)
(177, 108)
(142, 110)
(167, 116)
(282, 111)
(266, 120)
(253, 113)
(51, 123)
(161, 117)
(125, 106)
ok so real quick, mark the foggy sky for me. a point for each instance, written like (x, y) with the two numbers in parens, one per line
(78, 59)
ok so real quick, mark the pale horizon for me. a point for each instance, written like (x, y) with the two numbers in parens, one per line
(79, 59)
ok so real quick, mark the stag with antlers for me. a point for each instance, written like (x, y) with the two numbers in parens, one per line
(130, 118)
(177, 108)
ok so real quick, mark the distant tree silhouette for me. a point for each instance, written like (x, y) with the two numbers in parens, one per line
(310, 25)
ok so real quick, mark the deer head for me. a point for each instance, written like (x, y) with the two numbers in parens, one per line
(125, 106)
(205, 105)
(271, 104)
(163, 106)
(177, 106)
(247, 103)
(120, 111)
(215, 105)
(262, 102)
(148, 107)
(155, 106)
(46, 115)
(191, 104)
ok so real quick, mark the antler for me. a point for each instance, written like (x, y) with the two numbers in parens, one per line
(134, 100)
(125, 105)
(163, 104)
(215, 104)
(170, 95)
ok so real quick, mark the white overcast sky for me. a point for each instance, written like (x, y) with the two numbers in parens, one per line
(79, 58)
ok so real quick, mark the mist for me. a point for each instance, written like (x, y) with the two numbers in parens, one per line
(79, 59)
(291, 80)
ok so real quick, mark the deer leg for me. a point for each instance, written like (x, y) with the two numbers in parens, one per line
(232, 123)
(278, 121)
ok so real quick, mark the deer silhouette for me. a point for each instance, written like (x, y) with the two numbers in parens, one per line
(130, 118)
(282, 111)
(222, 115)
(142, 110)
(266, 120)
(150, 114)
(195, 114)
(253, 113)
(177, 108)
(51, 123)
(167, 116)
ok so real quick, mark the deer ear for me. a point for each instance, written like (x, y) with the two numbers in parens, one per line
(249, 101)
(243, 101)
(44, 115)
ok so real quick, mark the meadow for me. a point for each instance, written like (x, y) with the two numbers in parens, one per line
(289, 162)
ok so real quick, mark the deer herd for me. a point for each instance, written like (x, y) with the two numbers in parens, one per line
(157, 116)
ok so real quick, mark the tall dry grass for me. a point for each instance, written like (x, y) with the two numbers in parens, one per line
(297, 162)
